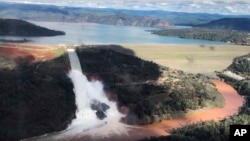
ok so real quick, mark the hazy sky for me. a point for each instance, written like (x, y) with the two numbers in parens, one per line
(204, 6)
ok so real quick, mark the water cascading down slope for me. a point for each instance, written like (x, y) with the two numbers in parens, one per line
(95, 111)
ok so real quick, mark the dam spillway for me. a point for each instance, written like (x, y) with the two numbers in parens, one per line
(96, 117)
(94, 109)
(74, 60)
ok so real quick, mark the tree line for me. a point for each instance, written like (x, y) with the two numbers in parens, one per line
(229, 36)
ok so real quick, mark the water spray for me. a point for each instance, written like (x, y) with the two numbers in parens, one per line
(94, 109)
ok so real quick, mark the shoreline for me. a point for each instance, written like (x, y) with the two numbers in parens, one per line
(27, 45)
(233, 101)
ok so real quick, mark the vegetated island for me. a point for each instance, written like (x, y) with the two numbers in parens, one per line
(237, 74)
(36, 92)
(228, 30)
(15, 27)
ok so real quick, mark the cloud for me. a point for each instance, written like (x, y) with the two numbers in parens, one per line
(231, 9)
(163, 3)
(209, 2)
(206, 6)
(195, 5)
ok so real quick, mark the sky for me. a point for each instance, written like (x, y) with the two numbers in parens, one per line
(232, 7)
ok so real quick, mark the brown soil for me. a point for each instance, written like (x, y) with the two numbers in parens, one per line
(39, 52)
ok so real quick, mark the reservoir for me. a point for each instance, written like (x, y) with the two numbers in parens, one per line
(90, 33)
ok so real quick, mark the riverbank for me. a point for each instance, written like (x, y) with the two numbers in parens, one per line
(233, 102)
(163, 128)
(207, 60)
(142, 131)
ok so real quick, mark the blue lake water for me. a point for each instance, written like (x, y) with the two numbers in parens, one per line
(88, 33)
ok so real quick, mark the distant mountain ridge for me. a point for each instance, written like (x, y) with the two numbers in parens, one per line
(128, 20)
(152, 18)
(16, 27)
(242, 24)
(72, 14)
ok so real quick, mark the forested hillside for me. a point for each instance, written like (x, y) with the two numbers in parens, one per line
(240, 68)
(38, 93)
(229, 36)
(218, 131)
(151, 92)
(35, 98)
(241, 24)
(15, 27)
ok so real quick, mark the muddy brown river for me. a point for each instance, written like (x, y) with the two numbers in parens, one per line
(233, 101)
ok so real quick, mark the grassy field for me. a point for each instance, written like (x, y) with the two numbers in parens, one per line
(191, 58)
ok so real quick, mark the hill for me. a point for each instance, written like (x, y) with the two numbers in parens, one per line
(36, 97)
(227, 36)
(15, 27)
(242, 24)
(218, 131)
(238, 74)
(152, 95)
(72, 14)
(76, 14)
(127, 20)
(36, 92)
(241, 66)
(177, 18)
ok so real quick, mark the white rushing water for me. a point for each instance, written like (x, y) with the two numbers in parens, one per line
(86, 122)
(86, 92)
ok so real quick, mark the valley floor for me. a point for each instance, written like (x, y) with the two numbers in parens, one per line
(190, 58)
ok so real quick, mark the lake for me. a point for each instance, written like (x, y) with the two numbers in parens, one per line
(90, 33)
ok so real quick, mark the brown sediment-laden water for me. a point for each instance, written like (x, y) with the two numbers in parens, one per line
(233, 101)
